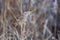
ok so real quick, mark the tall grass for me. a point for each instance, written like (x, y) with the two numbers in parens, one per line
(27, 19)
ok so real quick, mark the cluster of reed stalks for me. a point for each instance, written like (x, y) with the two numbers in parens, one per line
(27, 19)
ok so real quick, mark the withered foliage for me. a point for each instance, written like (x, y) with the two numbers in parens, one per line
(28, 19)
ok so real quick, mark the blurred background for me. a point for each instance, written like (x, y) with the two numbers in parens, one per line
(29, 19)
